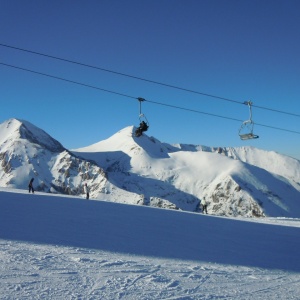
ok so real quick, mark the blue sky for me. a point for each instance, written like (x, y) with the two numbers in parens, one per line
(239, 50)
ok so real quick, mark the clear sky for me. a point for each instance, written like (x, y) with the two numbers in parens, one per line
(235, 49)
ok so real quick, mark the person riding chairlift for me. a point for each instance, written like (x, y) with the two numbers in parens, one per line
(143, 127)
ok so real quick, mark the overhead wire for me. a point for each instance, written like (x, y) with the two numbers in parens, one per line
(137, 98)
(146, 80)
(67, 80)
(223, 117)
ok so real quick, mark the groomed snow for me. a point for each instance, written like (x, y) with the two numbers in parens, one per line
(55, 247)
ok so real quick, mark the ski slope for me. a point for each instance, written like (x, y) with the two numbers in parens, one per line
(58, 247)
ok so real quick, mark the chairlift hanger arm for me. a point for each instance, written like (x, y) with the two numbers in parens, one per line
(249, 103)
(140, 99)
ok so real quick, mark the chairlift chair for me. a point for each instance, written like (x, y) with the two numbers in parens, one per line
(144, 124)
(246, 129)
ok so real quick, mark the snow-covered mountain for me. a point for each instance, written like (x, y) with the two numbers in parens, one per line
(28, 152)
(123, 168)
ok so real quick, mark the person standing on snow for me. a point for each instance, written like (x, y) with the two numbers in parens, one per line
(30, 186)
(204, 205)
(87, 191)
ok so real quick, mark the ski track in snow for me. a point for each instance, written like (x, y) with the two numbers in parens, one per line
(31, 271)
(56, 247)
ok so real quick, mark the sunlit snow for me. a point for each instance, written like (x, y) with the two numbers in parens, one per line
(55, 247)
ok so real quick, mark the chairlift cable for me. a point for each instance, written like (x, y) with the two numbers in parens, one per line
(118, 73)
(144, 79)
(193, 110)
(68, 80)
(137, 98)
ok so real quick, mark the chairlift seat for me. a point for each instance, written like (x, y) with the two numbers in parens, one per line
(248, 136)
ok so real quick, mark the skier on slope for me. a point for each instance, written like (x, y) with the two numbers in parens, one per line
(87, 191)
(30, 186)
(204, 205)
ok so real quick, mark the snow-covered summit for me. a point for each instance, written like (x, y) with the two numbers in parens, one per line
(126, 141)
(14, 129)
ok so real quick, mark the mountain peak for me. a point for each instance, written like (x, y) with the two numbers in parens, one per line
(14, 129)
(126, 141)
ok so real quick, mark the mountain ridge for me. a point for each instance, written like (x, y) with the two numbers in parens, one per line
(241, 181)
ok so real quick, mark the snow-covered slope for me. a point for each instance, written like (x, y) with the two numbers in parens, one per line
(58, 247)
(123, 168)
(271, 161)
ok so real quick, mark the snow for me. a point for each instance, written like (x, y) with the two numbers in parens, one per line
(123, 168)
(231, 185)
(59, 247)
(18, 130)
(268, 160)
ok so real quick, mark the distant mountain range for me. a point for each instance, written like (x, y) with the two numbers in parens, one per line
(243, 181)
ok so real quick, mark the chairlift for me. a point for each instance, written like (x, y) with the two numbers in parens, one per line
(246, 129)
(144, 124)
